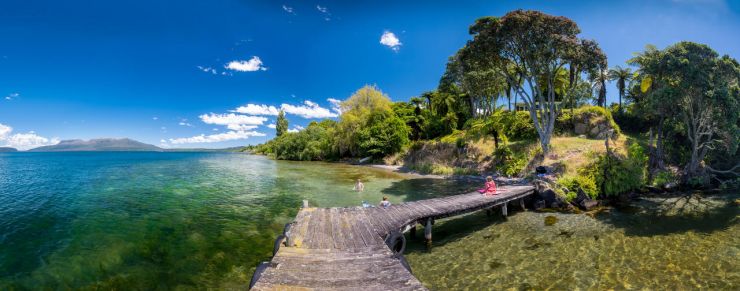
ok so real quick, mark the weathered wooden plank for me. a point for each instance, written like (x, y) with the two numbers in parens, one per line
(357, 240)
(343, 248)
(325, 240)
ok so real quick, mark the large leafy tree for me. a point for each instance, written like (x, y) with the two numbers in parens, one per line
(356, 112)
(622, 76)
(282, 124)
(702, 89)
(529, 49)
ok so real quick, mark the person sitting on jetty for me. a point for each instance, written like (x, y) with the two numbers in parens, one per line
(490, 188)
(359, 187)
(385, 203)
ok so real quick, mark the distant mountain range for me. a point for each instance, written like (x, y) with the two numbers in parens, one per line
(98, 145)
(7, 149)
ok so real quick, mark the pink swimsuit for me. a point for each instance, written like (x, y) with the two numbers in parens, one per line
(490, 188)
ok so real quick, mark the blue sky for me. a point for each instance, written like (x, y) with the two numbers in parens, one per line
(175, 73)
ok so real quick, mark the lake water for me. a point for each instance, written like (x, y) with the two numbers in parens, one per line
(165, 220)
(204, 220)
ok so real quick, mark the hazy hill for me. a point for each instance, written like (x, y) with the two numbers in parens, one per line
(7, 149)
(95, 145)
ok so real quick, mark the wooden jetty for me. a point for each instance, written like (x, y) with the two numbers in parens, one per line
(362, 248)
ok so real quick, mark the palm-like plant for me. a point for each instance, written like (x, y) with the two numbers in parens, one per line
(622, 76)
(599, 84)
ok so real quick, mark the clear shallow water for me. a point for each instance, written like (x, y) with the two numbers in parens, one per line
(203, 220)
(165, 220)
(658, 244)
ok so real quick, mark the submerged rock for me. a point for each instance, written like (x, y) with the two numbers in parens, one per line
(550, 220)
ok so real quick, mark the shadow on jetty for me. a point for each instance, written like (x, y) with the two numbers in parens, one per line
(678, 214)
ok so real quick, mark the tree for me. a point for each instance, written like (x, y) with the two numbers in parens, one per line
(384, 134)
(356, 111)
(599, 83)
(702, 89)
(530, 47)
(622, 76)
(282, 124)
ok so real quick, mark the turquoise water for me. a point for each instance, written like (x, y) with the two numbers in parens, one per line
(165, 220)
(194, 221)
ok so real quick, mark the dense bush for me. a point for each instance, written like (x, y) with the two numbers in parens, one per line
(311, 144)
(383, 135)
(518, 125)
(583, 182)
(509, 163)
(615, 174)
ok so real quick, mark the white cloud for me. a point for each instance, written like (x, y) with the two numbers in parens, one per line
(325, 11)
(215, 129)
(24, 141)
(256, 109)
(4, 130)
(231, 118)
(241, 127)
(208, 70)
(253, 64)
(184, 122)
(288, 9)
(390, 40)
(12, 96)
(219, 137)
(309, 110)
(335, 105)
(155, 118)
(296, 128)
(272, 125)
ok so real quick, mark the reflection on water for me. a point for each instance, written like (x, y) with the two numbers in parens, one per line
(659, 243)
(163, 220)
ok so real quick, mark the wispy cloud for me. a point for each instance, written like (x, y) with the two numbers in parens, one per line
(12, 96)
(288, 9)
(390, 40)
(324, 11)
(219, 137)
(272, 125)
(184, 122)
(251, 65)
(155, 118)
(23, 141)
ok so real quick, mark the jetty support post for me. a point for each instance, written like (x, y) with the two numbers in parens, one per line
(504, 210)
(305, 203)
(521, 204)
(428, 232)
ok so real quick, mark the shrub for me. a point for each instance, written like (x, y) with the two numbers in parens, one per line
(583, 182)
(664, 177)
(384, 134)
(518, 125)
(616, 174)
(508, 163)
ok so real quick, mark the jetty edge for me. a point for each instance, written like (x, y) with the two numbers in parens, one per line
(362, 248)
